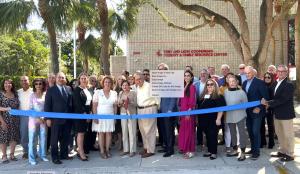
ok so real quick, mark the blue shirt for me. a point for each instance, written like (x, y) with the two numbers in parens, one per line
(248, 84)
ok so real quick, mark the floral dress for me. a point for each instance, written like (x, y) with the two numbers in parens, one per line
(13, 131)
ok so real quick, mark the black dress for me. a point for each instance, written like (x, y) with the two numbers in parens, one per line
(208, 121)
(80, 107)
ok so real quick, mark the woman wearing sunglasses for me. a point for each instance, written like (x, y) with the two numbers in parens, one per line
(37, 125)
(186, 137)
(269, 80)
(211, 98)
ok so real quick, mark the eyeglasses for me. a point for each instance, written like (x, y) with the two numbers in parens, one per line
(38, 84)
(242, 68)
(281, 71)
(146, 74)
(267, 77)
(209, 84)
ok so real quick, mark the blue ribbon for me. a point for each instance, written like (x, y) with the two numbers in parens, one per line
(32, 113)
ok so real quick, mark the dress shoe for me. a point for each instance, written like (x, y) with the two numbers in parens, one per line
(254, 157)
(287, 158)
(25, 156)
(168, 154)
(278, 155)
(242, 157)
(67, 158)
(56, 161)
(142, 152)
(146, 155)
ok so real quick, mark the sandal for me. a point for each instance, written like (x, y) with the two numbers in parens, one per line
(103, 155)
(189, 155)
(108, 154)
(12, 157)
(4, 159)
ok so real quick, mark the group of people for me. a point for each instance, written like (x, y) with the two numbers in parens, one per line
(130, 94)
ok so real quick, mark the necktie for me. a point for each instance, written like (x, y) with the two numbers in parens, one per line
(64, 94)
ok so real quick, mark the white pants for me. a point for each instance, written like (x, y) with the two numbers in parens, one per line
(129, 134)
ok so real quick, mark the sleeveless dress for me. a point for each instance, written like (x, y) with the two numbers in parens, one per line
(105, 106)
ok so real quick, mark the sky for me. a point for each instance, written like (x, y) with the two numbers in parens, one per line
(35, 22)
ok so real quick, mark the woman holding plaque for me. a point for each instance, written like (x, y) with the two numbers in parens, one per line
(127, 102)
(186, 137)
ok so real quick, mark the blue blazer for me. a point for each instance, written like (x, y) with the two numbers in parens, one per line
(54, 102)
(256, 91)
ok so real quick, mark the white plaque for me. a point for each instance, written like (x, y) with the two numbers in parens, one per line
(167, 83)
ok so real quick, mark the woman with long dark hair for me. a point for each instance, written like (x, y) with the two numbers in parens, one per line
(9, 125)
(269, 80)
(211, 98)
(186, 137)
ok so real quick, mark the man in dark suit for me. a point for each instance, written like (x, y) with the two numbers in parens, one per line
(283, 108)
(58, 99)
(256, 90)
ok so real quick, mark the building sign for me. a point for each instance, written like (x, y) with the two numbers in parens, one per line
(190, 53)
(167, 83)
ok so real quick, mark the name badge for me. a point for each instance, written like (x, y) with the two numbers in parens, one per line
(207, 96)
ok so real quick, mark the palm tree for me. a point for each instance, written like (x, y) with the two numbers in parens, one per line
(111, 21)
(15, 14)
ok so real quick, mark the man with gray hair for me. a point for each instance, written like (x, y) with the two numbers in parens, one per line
(284, 113)
(24, 95)
(255, 90)
(225, 69)
(146, 105)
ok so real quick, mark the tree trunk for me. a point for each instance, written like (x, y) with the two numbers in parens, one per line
(297, 50)
(44, 12)
(81, 30)
(105, 35)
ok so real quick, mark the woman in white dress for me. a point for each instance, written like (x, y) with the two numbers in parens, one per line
(105, 102)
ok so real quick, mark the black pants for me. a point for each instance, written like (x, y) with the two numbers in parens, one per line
(167, 126)
(271, 130)
(60, 133)
(208, 124)
(89, 139)
(160, 131)
(200, 132)
(48, 138)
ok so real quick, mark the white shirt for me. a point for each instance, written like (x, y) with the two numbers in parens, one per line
(143, 96)
(88, 96)
(278, 84)
(24, 98)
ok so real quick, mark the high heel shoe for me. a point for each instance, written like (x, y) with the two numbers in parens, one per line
(242, 157)
(108, 154)
(82, 159)
(103, 155)
(12, 157)
(4, 159)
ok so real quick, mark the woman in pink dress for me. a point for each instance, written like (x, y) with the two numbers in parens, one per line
(186, 137)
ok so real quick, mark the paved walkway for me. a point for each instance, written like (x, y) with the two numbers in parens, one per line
(158, 164)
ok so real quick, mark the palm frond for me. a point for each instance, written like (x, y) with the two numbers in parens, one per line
(88, 47)
(15, 14)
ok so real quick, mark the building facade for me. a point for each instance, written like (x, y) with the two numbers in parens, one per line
(154, 41)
